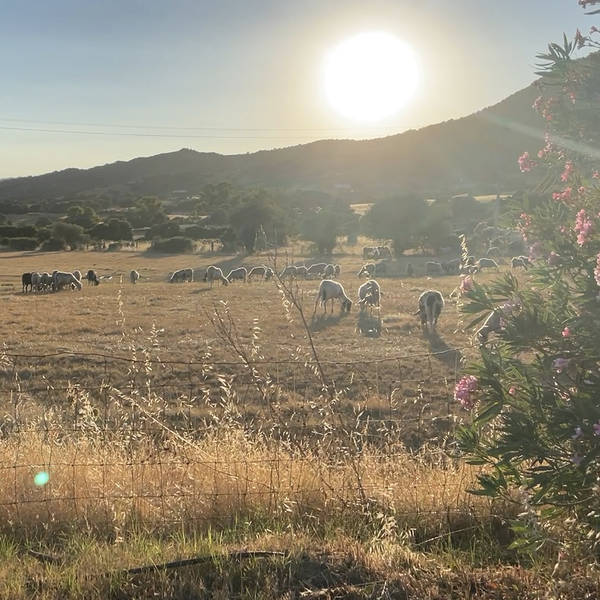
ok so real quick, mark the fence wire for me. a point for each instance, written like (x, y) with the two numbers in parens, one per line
(116, 440)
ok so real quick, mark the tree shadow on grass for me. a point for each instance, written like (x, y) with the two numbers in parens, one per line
(369, 324)
(441, 351)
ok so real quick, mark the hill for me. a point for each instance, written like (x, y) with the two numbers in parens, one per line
(475, 153)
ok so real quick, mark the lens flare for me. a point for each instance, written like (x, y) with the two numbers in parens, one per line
(41, 478)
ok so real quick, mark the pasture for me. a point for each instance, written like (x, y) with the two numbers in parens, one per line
(178, 419)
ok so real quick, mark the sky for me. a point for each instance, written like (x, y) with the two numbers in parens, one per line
(86, 83)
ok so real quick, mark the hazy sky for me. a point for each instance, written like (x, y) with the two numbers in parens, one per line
(140, 77)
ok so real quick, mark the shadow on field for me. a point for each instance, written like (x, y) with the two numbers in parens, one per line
(442, 351)
(369, 324)
(321, 321)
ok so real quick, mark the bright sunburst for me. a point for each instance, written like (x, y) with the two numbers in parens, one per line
(370, 76)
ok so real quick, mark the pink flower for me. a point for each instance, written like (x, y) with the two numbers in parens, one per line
(583, 226)
(512, 390)
(464, 391)
(597, 270)
(466, 285)
(559, 364)
(578, 433)
(597, 428)
(567, 172)
(566, 332)
(526, 163)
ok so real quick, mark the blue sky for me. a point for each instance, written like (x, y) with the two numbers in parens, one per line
(140, 77)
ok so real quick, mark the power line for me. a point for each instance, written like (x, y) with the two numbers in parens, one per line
(153, 135)
(193, 128)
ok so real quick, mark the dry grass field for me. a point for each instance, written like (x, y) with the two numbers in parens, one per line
(219, 436)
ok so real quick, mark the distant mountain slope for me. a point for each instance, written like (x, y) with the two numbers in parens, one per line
(477, 152)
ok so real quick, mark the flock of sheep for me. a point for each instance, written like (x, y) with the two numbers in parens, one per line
(430, 304)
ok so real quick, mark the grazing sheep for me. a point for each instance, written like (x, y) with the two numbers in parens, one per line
(134, 276)
(329, 271)
(331, 290)
(317, 270)
(239, 274)
(92, 277)
(410, 270)
(46, 281)
(265, 272)
(431, 304)
(520, 261)
(369, 270)
(182, 275)
(452, 267)
(60, 279)
(302, 271)
(26, 281)
(433, 268)
(369, 294)
(337, 270)
(36, 282)
(215, 274)
(492, 324)
(290, 271)
(487, 263)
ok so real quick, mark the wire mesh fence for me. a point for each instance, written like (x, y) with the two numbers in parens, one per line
(117, 440)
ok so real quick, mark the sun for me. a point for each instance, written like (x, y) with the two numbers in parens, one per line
(370, 76)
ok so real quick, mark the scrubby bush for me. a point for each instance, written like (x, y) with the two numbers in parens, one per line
(21, 243)
(53, 245)
(174, 245)
(535, 393)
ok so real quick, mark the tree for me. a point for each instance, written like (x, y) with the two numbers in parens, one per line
(72, 235)
(397, 219)
(148, 211)
(259, 220)
(534, 394)
(163, 230)
(323, 226)
(114, 230)
(85, 217)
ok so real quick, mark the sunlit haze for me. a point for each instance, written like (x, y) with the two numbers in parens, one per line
(87, 83)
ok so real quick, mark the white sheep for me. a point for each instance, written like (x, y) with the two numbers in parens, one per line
(317, 269)
(369, 294)
(329, 272)
(332, 290)
(369, 270)
(265, 272)
(239, 274)
(182, 275)
(213, 274)
(431, 304)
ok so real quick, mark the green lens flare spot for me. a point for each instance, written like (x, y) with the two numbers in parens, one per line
(41, 478)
